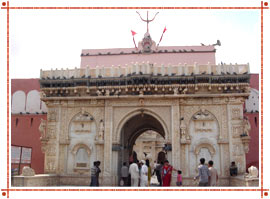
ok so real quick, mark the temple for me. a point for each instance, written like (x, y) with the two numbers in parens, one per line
(98, 111)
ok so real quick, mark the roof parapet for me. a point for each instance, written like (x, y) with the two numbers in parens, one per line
(145, 68)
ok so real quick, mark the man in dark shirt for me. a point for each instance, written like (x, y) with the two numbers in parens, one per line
(233, 169)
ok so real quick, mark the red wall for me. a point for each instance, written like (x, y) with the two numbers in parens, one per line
(254, 81)
(27, 135)
(252, 157)
(25, 85)
(24, 134)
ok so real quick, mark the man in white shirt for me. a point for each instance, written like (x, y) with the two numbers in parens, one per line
(213, 175)
(134, 173)
(144, 174)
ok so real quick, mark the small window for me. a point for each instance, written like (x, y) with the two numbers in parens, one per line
(17, 121)
(32, 119)
(255, 120)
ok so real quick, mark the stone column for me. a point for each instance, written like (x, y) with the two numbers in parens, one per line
(237, 152)
(64, 139)
(107, 175)
(175, 134)
(58, 139)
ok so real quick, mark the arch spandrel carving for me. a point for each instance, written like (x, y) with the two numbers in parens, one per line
(219, 114)
(81, 145)
(210, 148)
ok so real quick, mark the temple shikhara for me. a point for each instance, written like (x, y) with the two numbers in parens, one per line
(189, 106)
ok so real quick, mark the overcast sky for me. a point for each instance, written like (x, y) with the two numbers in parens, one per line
(45, 39)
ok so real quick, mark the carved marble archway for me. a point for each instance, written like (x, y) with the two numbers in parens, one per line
(135, 112)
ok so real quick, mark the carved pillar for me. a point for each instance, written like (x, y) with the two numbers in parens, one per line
(58, 139)
(107, 175)
(50, 143)
(63, 139)
(175, 134)
(237, 151)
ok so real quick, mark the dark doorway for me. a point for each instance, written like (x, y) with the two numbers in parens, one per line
(131, 130)
(161, 157)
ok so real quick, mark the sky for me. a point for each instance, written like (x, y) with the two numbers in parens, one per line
(45, 39)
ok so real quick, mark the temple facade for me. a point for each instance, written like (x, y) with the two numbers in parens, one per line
(97, 111)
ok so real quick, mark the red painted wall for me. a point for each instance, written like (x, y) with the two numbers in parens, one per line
(24, 133)
(25, 85)
(27, 135)
(254, 81)
(252, 157)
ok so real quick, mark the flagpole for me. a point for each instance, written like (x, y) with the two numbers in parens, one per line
(161, 37)
(135, 43)
(134, 33)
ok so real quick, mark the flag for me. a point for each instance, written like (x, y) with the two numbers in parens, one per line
(161, 36)
(134, 33)
(164, 29)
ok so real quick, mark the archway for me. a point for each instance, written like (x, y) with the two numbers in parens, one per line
(132, 129)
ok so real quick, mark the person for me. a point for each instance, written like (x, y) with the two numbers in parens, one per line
(124, 173)
(144, 174)
(158, 171)
(179, 178)
(140, 171)
(166, 174)
(134, 174)
(233, 169)
(98, 171)
(213, 175)
(203, 173)
(155, 165)
(149, 174)
(95, 174)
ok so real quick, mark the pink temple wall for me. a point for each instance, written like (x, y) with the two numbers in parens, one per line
(202, 56)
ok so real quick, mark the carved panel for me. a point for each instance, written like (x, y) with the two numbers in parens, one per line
(50, 166)
(237, 148)
(236, 115)
(51, 131)
(52, 115)
(237, 131)
(51, 149)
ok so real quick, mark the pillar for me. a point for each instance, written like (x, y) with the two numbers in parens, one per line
(107, 174)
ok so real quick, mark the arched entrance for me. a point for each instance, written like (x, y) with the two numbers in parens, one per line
(132, 129)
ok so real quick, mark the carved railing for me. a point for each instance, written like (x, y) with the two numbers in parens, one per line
(145, 68)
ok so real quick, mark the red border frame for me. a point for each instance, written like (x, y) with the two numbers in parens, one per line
(262, 7)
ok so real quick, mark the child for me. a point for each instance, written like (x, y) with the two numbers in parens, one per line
(179, 178)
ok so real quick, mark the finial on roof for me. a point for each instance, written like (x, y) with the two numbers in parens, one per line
(147, 20)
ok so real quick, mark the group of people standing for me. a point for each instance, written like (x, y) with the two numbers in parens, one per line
(141, 174)
(208, 175)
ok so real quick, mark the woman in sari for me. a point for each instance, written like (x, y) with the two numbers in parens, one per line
(166, 174)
